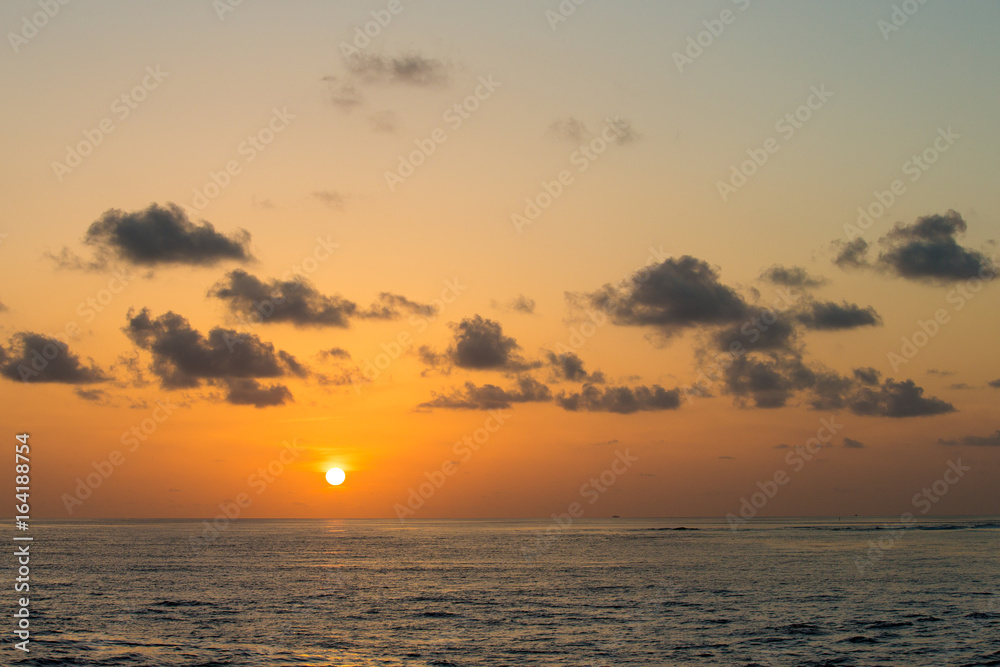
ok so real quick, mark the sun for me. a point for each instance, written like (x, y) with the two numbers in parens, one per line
(336, 476)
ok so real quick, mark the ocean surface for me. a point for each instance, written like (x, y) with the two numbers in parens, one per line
(597, 592)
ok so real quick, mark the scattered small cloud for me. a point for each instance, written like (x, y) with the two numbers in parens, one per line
(621, 400)
(490, 397)
(384, 121)
(828, 316)
(992, 440)
(851, 443)
(791, 276)
(330, 198)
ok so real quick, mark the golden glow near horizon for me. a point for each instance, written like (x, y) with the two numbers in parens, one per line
(244, 249)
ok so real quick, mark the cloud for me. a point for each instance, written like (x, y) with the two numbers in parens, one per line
(995, 383)
(867, 375)
(621, 400)
(568, 129)
(490, 397)
(331, 198)
(626, 133)
(791, 276)
(335, 352)
(384, 121)
(160, 235)
(677, 293)
(94, 395)
(927, 250)
(520, 304)
(769, 380)
(762, 330)
(3, 307)
(851, 443)
(939, 373)
(183, 357)
(897, 399)
(247, 391)
(32, 357)
(827, 316)
(412, 68)
(992, 440)
(480, 344)
(299, 303)
(343, 93)
(568, 366)
(851, 255)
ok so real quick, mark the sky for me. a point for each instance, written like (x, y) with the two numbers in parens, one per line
(521, 259)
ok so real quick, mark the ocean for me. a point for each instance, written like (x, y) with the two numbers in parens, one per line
(513, 592)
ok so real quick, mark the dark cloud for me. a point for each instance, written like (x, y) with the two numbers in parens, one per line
(896, 399)
(939, 373)
(32, 357)
(247, 391)
(851, 443)
(335, 352)
(851, 255)
(480, 344)
(995, 383)
(927, 250)
(412, 68)
(163, 235)
(299, 303)
(568, 366)
(992, 440)
(490, 397)
(768, 380)
(960, 385)
(762, 330)
(867, 375)
(182, 356)
(672, 295)
(827, 315)
(791, 276)
(622, 400)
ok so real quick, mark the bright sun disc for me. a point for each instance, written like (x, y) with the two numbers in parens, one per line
(336, 476)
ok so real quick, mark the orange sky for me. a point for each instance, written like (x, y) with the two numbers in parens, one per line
(493, 196)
